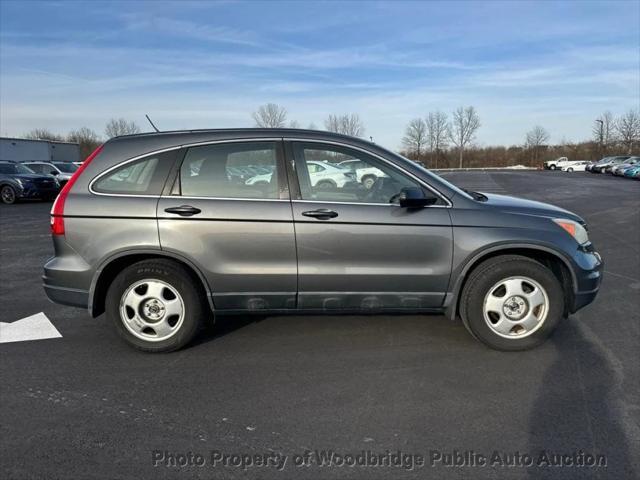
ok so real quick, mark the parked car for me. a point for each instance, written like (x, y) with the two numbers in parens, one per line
(590, 166)
(633, 172)
(560, 163)
(323, 175)
(61, 170)
(576, 167)
(18, 181)
(162, 250)
(365, 174)
(628, 163)
(555, 164)
(607, 163)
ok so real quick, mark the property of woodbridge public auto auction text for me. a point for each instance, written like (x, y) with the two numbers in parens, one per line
(383, 459)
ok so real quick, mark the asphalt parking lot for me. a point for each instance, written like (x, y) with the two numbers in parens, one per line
(87, 406)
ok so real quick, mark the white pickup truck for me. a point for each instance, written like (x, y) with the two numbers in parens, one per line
(559, 163)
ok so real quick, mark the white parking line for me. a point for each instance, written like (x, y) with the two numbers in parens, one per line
(34, 327)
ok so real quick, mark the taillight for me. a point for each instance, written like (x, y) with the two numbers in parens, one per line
(57, 210)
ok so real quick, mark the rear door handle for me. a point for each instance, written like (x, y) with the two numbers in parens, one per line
(183, 210)
(321, 214)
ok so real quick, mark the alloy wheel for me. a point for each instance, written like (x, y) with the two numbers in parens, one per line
(152, 310)
(515, 307)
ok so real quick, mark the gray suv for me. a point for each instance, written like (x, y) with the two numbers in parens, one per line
(163, 231)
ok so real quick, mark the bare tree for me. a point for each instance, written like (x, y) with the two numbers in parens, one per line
(86, 138)
(270, 115)
(604, 130)
(120, 126)
(628, 128)
(43, 134)
(294, 124)
(464, 125)
(415, 136)
(437, 133)
(348, 124)
(536, 138)
(312, 126)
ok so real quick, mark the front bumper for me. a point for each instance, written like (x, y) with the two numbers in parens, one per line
(32, 191)
(588, 271)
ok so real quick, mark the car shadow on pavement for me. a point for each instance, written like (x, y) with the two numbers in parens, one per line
(224, 325)
(576, 410)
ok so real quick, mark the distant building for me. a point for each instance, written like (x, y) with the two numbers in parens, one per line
(20, 149)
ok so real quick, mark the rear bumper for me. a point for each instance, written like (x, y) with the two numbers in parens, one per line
(66, 296)
(67, 277)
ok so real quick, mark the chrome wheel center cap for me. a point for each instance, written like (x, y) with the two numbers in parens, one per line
(515, 307)
(153, 309)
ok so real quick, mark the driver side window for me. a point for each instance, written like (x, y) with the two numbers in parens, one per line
(332, 173)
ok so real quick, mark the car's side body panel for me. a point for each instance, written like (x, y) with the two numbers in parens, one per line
(372, 256)
(246, 249)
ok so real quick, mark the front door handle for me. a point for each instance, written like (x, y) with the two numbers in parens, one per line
(321, 214)
(183, 210)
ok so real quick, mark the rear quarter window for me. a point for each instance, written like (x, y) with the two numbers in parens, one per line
(145, 176)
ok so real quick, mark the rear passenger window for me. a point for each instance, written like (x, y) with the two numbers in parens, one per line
(141, 177)
(231, 170)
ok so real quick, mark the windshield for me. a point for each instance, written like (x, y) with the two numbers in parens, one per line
(14, 168)
(66, 167)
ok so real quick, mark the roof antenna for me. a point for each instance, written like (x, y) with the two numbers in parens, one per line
(154, 127)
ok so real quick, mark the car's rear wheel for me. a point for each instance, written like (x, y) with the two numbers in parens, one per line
(511, 303)
(156, 306)
(552, 167)
(326, 185)
(8, 194)
(569, 169)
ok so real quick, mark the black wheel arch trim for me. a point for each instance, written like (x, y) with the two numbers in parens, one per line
(451, 299)
(147, 251)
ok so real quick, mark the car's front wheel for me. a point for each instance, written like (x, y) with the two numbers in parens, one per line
(8, 194)
(552, 167)
(156, 306)
(511, 303)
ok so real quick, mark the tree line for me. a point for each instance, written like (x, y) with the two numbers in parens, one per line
(442, 143)
(87, 138)
(439, 140)
(272, 115)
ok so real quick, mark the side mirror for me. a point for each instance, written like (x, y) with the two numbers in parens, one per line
(413, 197)
(53, 172)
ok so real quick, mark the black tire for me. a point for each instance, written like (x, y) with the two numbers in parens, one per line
(569, 169)
(326, 185)
(488, 274)
(8, 194)
(552, 167)
(196, 309)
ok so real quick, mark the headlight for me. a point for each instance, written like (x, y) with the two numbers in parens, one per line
(574, 229)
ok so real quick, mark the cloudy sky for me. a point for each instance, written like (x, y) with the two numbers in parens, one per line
(66, 64)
